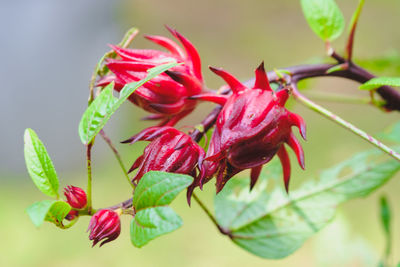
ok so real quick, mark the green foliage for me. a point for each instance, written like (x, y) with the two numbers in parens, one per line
(324, 17)
(336, 68)
(153, 216)
(385, 215)
(48, 210)
(392, 133)
(275, 225)
(153, 222)
(159, 189)
(101, 109)
(386, 222)
(380, 81)
(386, 64)
(39, 165)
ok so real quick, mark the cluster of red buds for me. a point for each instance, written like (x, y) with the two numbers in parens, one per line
(252, 127)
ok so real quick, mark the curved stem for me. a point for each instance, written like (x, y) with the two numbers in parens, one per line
(118, 157)
(211, 216)
(345, 124)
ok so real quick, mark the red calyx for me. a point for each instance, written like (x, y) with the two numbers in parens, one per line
(252, 127)
(167, 94)
(104, 225)
(169, 150)
(76, 197)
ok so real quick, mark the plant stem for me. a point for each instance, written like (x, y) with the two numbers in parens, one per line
(118, 157)
(352, 30)
(212, 218)
(89, 175)
(345, 124)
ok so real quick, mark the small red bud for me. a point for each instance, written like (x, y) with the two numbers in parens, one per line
(72, 215)
(105, 224)
(76, 197)
(170, 150)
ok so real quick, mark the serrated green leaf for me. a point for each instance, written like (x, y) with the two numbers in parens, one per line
(39, 165)
(159, 188)
(151, 223)
(48, 210)
(324, 18)
(380, 81)
(275, 225)
(153, 217)
(101, 109)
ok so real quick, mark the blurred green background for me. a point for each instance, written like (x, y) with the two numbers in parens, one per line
(49, 51)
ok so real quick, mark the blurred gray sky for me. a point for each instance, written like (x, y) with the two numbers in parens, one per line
(49, 49)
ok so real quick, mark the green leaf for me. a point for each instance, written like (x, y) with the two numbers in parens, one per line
(159, 188)
(380, 81)
(324, 18)
(39, 165)
(385, 214)
(386, 218)
(338, 67)
(101, 109)
(387, 64)
(48, 210)
(151, 223)
(153, 217)
(274, 225)
(57, 213)
(392, 133)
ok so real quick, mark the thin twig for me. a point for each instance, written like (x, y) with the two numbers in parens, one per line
(118, 157)
(345, 124)
(353, 26)
(211, 216)
(89, 176)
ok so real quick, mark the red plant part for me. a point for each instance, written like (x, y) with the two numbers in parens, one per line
(72, 215)
(165, 95)
(170, 150)
(252, 127)
(104, 225)
(76, 197)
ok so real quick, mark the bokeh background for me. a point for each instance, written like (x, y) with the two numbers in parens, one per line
(49, 49)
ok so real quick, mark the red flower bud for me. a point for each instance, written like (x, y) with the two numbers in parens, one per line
(252, 127)
(170, 150)
(72, 215)
(76, 197)
(166, 95)
(104, 224)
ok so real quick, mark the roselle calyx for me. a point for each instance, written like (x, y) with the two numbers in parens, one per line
(165, 95)
(170, 150)
(252, 127)
(76, 197)
(105, 226)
